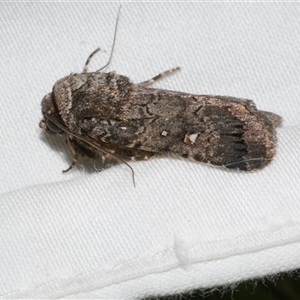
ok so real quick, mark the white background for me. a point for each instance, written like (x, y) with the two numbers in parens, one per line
(186, 225)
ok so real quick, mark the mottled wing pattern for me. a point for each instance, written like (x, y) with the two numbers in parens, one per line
(134, 122)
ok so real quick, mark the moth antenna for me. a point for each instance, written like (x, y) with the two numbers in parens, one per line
(114, 41)
(247, 160)
(93, 145)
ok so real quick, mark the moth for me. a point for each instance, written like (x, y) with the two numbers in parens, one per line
(104, 114)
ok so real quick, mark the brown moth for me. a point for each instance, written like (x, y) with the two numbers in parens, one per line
(106, 114)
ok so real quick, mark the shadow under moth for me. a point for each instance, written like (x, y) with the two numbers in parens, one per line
(106, 114)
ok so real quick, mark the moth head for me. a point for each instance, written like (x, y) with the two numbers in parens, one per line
(49, 112)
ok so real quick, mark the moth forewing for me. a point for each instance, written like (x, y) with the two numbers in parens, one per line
(106, 114)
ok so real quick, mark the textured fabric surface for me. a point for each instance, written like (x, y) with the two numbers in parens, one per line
(185, 225)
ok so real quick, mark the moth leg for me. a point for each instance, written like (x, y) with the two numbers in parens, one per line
(159, 76)
(85, 68)
(75, 155)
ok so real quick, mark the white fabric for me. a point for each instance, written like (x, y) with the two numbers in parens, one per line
(185, 225)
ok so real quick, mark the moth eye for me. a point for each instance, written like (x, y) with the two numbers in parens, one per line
(51, 126)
